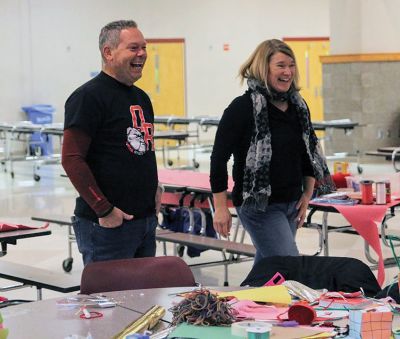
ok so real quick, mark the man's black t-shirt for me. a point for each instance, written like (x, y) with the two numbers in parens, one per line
(119, 119)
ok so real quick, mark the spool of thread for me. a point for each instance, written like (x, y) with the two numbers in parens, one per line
(240, 329)
(302, 312)
(396, 333)
(366, 192)
(380, 193)
(388, 191)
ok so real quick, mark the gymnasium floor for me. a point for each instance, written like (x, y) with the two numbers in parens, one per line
(22, 197)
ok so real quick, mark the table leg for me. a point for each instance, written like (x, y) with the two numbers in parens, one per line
(3, 249)
(325, 233)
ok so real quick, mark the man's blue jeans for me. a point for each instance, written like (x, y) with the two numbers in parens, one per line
(272, 232)
(133, 239)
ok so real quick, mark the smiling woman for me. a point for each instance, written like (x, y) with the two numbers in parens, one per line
(276, 153)
(282, 69)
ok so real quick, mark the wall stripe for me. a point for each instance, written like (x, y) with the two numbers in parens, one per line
(373, 57)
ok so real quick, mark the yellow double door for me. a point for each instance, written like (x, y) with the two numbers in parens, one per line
(308, 52)
(164, 74)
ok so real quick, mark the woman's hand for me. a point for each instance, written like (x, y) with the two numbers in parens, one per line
(222, 221)
(302, 206)
(222, 217)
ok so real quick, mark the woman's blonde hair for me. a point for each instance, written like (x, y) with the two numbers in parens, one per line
(256, 66)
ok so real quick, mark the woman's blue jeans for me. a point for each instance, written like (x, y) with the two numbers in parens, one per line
(133, 239)
(272, 231)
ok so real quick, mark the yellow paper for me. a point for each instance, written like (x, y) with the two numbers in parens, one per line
(279, 332)
(269, 294)
(321, 335)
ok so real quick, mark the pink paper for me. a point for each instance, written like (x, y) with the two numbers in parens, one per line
(247, 309)
(5, 227)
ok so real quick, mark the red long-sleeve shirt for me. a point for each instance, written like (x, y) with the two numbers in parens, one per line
(76, 144)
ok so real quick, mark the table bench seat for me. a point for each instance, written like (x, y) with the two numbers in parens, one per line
(385, 154)
(206, 243)
(38, 277)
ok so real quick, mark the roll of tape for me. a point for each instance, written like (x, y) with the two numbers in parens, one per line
(241, 328)
(258, 333)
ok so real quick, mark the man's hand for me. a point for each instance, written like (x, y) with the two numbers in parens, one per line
(115, 218)
(159, 192)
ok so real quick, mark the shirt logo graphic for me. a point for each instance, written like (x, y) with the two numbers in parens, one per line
(135, 141)
(140, 136)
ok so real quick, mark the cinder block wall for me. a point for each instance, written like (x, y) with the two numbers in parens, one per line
(367, 93)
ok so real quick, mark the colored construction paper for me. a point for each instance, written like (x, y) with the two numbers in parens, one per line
(5, 227)
(4, 333)
(247, 309)
(371, 323)
(210, 332)
(320, 335)
(344, 303)
(202, 332)
(304, 332)
(269, 294)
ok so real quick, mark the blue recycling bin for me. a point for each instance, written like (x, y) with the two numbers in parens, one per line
(40, 114)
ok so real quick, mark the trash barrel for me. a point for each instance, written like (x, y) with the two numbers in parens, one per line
(40, 144)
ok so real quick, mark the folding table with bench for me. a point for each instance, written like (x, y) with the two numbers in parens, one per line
(29, 275)
(183, 189)
(389, 153)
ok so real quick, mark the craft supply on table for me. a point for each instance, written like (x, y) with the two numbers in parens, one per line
(277, 332)
(240, 329)
(302, 291)
(247, 309)
(202, 307)
(146, 322)
(388, 191)
(277, 279)
(331, 314)
(341, 201)
(302, 313)
(340, 167)
(380, 193)
(85, 301)
(3, 331)
(258, 333)
(367, 197)
(344, 301)
(270, 294)
(84, 313)
(374, 322)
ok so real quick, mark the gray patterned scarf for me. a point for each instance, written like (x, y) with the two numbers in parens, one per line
(256, 180)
